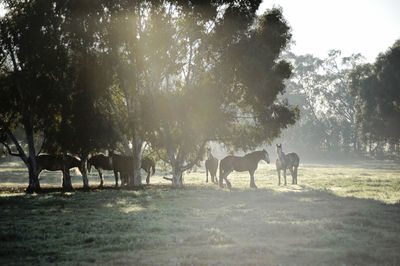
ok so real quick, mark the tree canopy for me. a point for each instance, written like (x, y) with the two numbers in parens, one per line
(171, 74)
(376, 88)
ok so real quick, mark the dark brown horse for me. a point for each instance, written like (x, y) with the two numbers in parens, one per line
(211, 166)
(286, 161)
(249, 162)
(100, 162)
(58, 163)
(119, 164)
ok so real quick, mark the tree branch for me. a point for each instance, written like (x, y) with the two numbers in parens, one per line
(21, 152)
(9, 150)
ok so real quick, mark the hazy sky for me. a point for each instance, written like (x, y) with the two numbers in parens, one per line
(353, 26)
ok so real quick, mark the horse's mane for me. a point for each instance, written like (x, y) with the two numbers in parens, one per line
(254, 154)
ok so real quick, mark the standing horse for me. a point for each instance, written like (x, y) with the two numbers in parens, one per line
(147, 165)
(100, 162)
(119, 163)
(58, 163)
(249, 162)
(124, 165)
(211, 166)
(286, 161)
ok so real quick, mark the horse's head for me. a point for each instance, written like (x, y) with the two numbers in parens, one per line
(278, 148)
(266, 156)
(209, 154)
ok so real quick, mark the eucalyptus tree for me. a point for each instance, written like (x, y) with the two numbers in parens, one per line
(191, 72)
(222, 82)
(86, 121)
(376, 89)
(32, 69)
(319, 87)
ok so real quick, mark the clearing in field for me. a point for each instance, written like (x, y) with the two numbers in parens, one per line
(335, 215)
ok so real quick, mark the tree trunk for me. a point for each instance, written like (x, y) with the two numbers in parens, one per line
(137, 146)
(66, 184)
(177, 179)
(34, 185)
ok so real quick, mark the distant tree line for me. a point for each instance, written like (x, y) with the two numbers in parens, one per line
(347, 107)
(82, 77)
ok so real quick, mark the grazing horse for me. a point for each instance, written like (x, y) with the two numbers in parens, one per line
(286, 161)
(58, 163)
(249, 162)
(100, 162)
(211, 166)
(119, 163)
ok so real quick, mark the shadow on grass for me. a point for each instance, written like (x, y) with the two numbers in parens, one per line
(196, 225)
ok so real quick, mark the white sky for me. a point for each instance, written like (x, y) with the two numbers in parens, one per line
(352, 26)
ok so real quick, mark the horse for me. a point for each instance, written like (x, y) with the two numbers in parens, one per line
(58, 163)
(147, 165)
(119, 163)
(211, 166)
(100, 162)
(249, 162)
(286, 161)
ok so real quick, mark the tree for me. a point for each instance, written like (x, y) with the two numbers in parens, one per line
(85, 122)
(231, 78)
(319, 87)
(31, 74)
(376, 88)
(177, 74)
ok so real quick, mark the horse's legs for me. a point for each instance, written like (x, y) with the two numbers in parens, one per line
(295, 174)
(228, 184)
(252, 183)
(101, 176)
(292, 173)
(221, 178)
(116, 178)
(284, 175)
(279, 176)
(63, 178)
(148, 177)
(207, 175)
(214, 178)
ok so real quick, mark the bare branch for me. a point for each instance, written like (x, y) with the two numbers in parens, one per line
(9, 149)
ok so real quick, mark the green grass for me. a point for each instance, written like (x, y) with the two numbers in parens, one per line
(336, 215)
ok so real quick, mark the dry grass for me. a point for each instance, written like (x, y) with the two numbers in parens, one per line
(336, 215)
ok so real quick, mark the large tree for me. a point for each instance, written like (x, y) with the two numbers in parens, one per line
(86, 119)
(319, 87)
(193, 54)
(376, 88)
(226, 85)
(32, 69)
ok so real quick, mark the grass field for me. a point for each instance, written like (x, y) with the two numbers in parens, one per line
(337, 215)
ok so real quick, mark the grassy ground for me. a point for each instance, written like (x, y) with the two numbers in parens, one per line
(336, 215)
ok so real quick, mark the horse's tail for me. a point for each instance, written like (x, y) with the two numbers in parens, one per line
(206, 170)
(297, 162)
(296, 165)
(220, 173)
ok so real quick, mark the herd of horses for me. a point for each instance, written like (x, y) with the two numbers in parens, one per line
(122, 165)
(249, 163)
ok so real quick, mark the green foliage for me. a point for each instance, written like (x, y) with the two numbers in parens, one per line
(319, 88)
(376, 88)
(100, 71)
